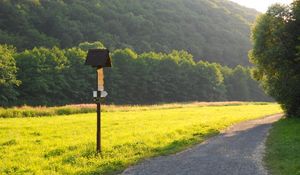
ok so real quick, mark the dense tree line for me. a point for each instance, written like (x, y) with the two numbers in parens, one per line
(55, 76)
(276, 55)
(211, 30)
(8, 71)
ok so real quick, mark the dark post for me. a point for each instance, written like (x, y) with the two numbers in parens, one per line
(99, 127)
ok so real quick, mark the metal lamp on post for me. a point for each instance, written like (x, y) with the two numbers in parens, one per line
(99, 58)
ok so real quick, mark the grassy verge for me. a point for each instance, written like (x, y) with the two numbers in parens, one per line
(41, 111)
(27, 111)
(283, 148)
(66, 145)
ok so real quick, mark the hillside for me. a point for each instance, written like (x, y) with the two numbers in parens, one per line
(212, 30)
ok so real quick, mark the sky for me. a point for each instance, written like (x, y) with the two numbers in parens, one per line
(261, 5)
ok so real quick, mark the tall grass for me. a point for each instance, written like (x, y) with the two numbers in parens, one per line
(28, 111)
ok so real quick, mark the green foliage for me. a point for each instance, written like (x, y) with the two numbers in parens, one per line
(212, 30)
(41, 71)
(95, 45)
(8, 71)
(66, 145)
(80, 79)
(56, 77)
(283, 147)
(239, 85)
(276, 57)
(174, 77)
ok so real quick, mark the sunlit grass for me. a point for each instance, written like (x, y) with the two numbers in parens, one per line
(66, 144)
(41, 111)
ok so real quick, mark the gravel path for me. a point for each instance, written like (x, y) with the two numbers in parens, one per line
(237, 151)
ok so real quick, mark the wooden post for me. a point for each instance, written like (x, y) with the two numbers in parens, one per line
(100, 88)
(100, 79)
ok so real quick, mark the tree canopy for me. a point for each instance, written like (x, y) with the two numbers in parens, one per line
(55, 76)
(211, 30)
(276, 38)
(8, 71)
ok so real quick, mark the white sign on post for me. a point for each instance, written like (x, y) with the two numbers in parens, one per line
(103, 94)
(95, 94)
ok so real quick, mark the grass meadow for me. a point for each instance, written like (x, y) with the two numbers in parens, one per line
(65, 144)
(283, 147)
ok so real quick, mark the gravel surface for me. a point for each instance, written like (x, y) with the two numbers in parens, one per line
(236, 151)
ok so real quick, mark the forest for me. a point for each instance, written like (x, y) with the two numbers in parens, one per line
(162, 51)
(55, 76)
(211, 30)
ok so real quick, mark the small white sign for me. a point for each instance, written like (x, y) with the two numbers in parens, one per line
(95, 94)
(103, 94)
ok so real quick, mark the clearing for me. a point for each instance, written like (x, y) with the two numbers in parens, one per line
(66, 144)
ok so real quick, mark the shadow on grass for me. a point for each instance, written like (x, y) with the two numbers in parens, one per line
(179, 145)
(117, 166)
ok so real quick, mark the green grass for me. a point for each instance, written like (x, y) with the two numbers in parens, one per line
(66, 144)
(41, 111)
(283, 148)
